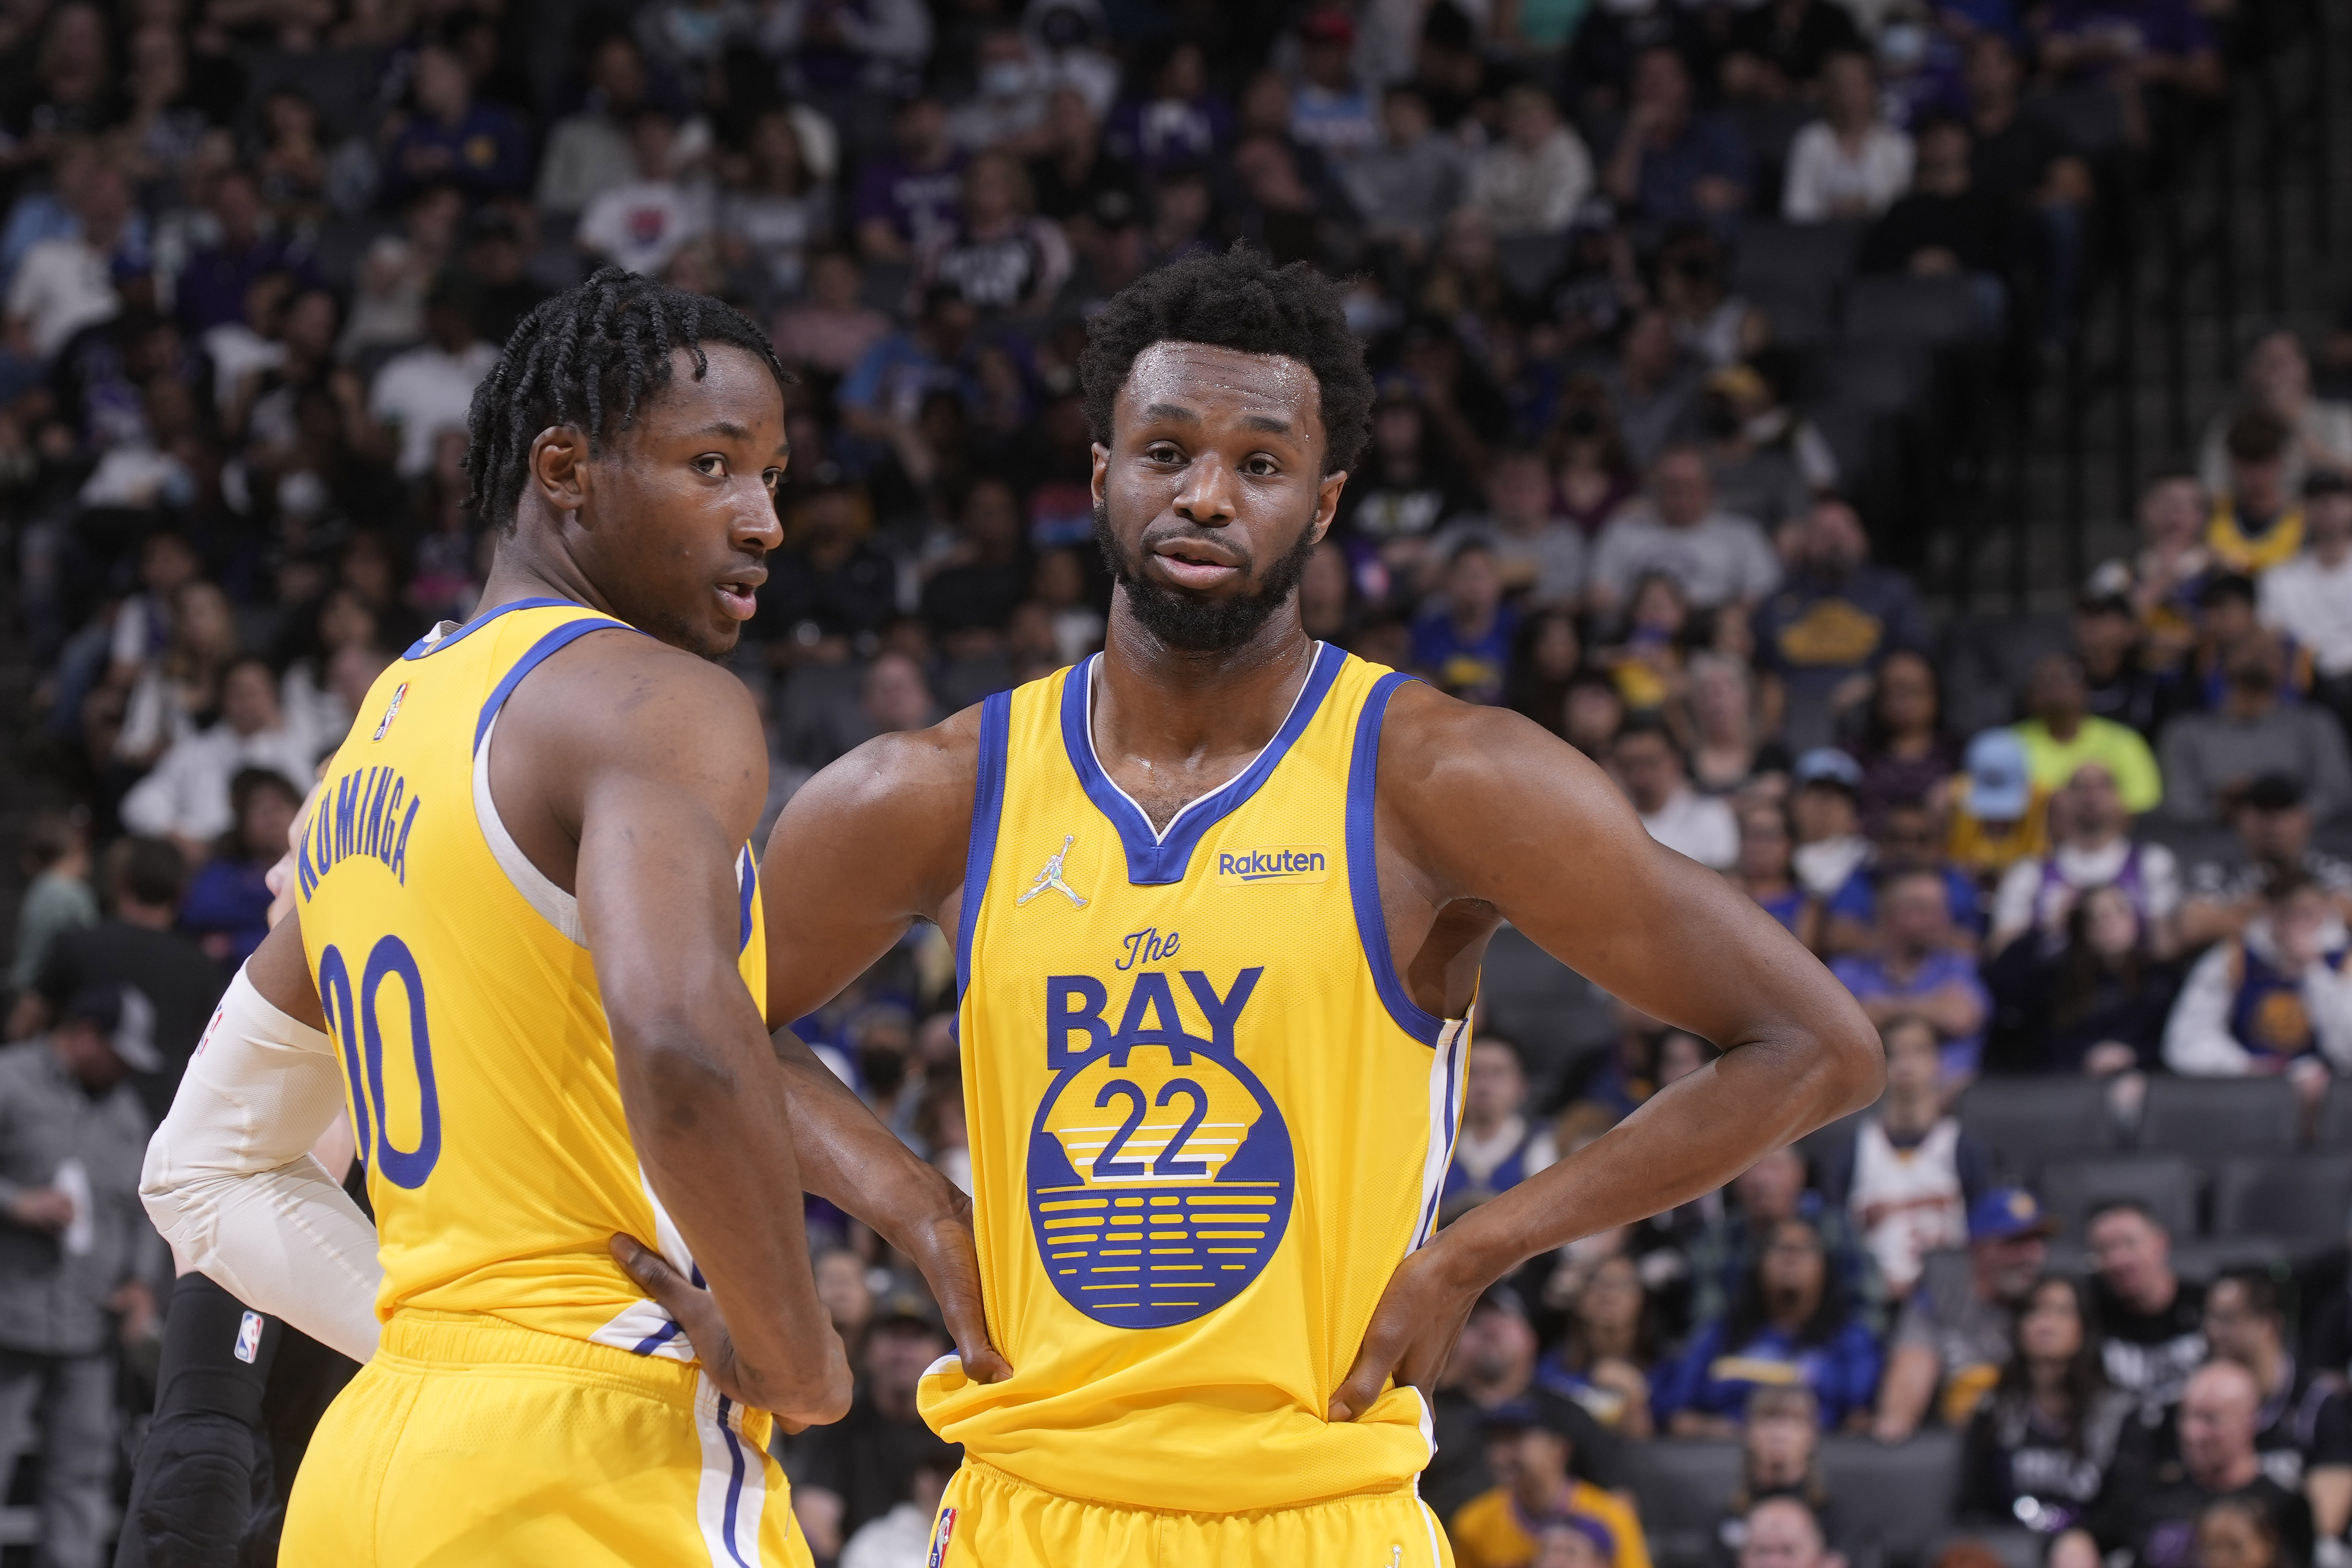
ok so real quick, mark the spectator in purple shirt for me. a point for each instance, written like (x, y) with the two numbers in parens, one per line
(480, 148)
(907, 198)
(1179, 122)
(212, 284)
(1917, 969)
(1673, 163)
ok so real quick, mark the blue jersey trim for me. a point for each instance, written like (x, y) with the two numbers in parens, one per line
(1364, 872)
(1157, 859)
(654, 1341)
(554, 642)
(747, 876)
(734, 1479)
(987, 812)
(424, 645)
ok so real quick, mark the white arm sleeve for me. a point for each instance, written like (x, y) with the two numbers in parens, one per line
(2196, 1039)
(231, 1184)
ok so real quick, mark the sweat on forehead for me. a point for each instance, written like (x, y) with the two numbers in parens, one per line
(1200, 382)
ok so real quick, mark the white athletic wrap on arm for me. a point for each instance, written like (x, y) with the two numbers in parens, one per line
(231, 1185)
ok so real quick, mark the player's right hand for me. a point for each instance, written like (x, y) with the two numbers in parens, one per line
(705, 1326)
(942, 1248)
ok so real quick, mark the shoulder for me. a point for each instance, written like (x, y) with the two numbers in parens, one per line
(618, 693)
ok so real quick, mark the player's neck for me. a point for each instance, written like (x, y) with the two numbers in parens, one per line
(1171, 724)
(525, 568)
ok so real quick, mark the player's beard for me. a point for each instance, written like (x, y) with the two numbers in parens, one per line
(1190, 621)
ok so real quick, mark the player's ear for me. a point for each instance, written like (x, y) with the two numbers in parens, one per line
(1101, 467)
(559, 467)
(1326, 503)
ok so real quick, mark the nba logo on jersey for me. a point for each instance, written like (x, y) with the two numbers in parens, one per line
(940, 1534)
(248, 1337)
(1160, 1171)
(399, 692)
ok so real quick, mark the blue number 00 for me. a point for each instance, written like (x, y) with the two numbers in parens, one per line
(389, 959)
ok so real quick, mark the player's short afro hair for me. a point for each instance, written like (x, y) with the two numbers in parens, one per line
(1236, 301)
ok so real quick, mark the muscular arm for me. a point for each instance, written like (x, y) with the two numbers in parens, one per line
(1483, 815)
(866, 849)
(651, 761)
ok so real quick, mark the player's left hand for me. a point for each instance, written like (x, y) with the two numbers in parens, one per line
(1411, 1332)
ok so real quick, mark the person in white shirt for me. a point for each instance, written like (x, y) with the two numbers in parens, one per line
(2091, 848)
(186, 797)
(1849, 163)
(1540, 556)
(1718, 558)
(1907, 1175)
(66, 284)
(427, 390)
(588, 153)
(644, 222)
(2276, 1000)
(1649, 769)
(1533, 179)
(2309, 598)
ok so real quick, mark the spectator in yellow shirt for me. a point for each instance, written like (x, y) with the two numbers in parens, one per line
(2063, 734)
(1540, 1514)
(1998, 816)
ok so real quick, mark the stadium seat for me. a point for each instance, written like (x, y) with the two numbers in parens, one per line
(1894, 1502)
(1803, 310)
(1913, 310)
(2208, 1120)
(1527, 262)
(2166, 1184)
(1682, 1487)
(1546, 1009)
(1883, 377)
(2026, 1122)
(2335, 1129)
(2299, 1198)
(1774, 251)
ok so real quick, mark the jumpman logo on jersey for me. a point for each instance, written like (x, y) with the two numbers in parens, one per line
(1050, 879)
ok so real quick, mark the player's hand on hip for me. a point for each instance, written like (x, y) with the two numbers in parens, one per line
(698, 1314)
(942, 1248)
(1411, 1332)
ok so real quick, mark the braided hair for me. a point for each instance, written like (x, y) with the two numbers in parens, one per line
(590, 358)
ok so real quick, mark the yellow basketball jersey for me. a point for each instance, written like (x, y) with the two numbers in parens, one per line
(1206, 1121)
(458, 988)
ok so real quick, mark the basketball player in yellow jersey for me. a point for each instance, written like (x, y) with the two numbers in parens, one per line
(526, 955)
(1219, 897)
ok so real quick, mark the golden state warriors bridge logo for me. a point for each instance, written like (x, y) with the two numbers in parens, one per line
(1160, 1171)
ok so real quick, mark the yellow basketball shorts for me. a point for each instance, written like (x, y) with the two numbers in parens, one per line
(472, 1441)
(989, 1519)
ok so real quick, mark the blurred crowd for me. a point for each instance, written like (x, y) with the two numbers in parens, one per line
(257, 254)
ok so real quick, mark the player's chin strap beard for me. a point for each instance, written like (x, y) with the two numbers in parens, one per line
(1191, 622)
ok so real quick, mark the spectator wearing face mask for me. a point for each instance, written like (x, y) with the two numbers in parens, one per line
(1827, 812)
(1009, 111)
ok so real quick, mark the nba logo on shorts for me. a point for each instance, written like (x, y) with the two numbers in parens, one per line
(940, 1534)
(248, 1338)
(398, 692)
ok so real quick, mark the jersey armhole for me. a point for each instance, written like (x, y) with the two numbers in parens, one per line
(1364, 872)
(557, 907)
(987, 811)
